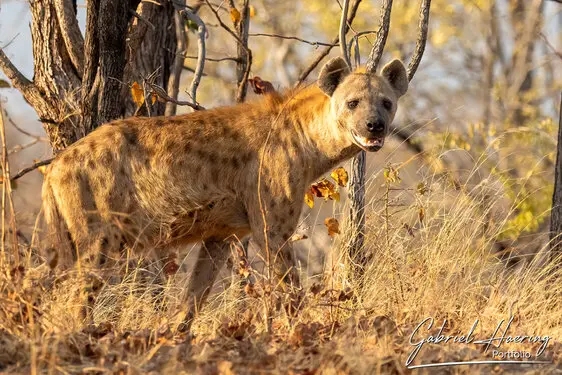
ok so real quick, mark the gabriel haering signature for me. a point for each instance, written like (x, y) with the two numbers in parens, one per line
(495, 341)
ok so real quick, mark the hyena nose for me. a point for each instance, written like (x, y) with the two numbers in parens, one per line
(376, 126)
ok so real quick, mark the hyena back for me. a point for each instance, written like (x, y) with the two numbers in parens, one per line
(215, 175)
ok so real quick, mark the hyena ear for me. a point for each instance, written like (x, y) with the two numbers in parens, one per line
(396, 74)
(332, 74)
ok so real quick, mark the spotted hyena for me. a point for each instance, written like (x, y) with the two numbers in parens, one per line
(215, 175)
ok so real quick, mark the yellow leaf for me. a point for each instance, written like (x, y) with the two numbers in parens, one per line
(325, 189)
(340, 176)
(391, 175)
(234, 15)
(153, 97)
(137, 93)
(335, 196)
(333, 226)
(252, 11)
(421, 214)
(309, 198)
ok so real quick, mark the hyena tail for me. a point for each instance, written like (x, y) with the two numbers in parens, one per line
(60, 250)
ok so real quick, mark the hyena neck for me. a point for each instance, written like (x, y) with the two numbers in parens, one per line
(325, 142)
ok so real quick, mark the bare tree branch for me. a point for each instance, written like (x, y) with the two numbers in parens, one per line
(241, 44)
(312, 43)
(71, 33)
(175, 75)
(7, 197)
(164, 96)
(550, 46)
(201, 34)
(244, 63)
(213, 59)
(322, 54)
(31, 168)
(343, 32)
(225, 26)
(18, 80)
(378, 48)
(422, 38)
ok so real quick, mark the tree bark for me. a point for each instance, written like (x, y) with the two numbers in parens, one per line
(81, 82)
(556, 213)
(244, 59)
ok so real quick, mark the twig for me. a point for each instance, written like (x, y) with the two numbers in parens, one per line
(201, 33)
(7, 198)
(19, 148)
(212, 59)
(177, 68)
(31, 168)
(356, 37)
(343, 32)
(225, 26)
(141, 18)
(163, 95)
(316, 44)
(382, 33)
(322, 54)
(18, 80)
(23, 131)
(550, 46)
(242, 83)
(422, 38)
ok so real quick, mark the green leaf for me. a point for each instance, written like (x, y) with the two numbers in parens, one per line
(192, 25)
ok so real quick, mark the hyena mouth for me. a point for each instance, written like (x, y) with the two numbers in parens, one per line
(368, 144)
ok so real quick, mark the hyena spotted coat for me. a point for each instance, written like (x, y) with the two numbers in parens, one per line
(215, 175)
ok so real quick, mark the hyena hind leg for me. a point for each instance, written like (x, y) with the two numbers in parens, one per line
(212, 256)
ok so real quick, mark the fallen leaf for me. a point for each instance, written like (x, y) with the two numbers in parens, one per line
(235, 15)
(250, 290)
(309, 198)
(340, 176)
(137, 93)
(333, 226)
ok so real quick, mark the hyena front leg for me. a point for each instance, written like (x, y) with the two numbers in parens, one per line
(212, 256)
(273, 223)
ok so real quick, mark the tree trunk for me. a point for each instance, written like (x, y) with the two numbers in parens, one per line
(357, 209)
(556, 214)
(80, 83)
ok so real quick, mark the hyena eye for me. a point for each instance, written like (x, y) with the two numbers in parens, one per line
(387, 104)
(352, 104)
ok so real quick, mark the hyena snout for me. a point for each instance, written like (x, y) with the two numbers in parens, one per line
(377, 127)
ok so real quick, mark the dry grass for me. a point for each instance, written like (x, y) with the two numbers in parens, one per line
(444, 266)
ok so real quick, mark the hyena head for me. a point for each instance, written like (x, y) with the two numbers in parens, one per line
(363, 104)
